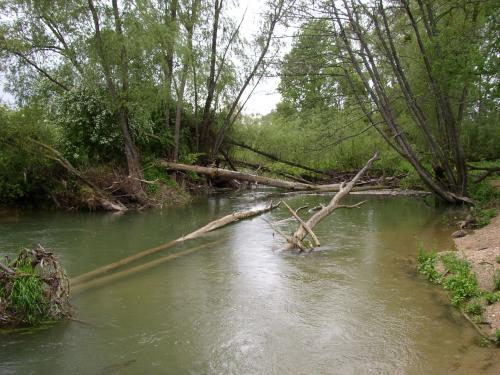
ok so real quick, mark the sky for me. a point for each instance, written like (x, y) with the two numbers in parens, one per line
(265, 96)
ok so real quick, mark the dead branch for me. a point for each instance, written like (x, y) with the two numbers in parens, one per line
(301, 232)
(352, 206)
(6, 269)
(313, 236)
(216, 224)
(287, 238)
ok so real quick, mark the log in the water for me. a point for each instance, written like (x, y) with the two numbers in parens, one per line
(302, 230)
(216, 224)
(227, 174)
(143, 267)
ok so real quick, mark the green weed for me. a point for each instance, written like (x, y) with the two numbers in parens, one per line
(427, 266)
(496, 280)
(26, 296)
(492, 297)
(474, 307)
(461, 282)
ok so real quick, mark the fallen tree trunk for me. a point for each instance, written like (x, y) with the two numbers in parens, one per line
(216, 224)
(224, 173)
(303, 230)
(132, 271)
(258, 167)
(274, 157)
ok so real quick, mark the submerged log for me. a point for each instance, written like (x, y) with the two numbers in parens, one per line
(143, 267)
(216, 224)
(227, 174)
(302, 231)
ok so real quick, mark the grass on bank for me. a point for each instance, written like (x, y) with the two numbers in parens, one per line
(25, 298)
(460, 282)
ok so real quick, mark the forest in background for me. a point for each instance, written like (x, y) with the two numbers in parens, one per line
(108, 88)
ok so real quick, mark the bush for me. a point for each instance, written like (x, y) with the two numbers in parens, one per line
(427, 266)
(462, 282)
(88, 127)
(496, 280)
(474, 307)
(492, 297)
(24, 171)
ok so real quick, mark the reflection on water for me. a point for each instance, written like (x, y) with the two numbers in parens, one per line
(244, 307)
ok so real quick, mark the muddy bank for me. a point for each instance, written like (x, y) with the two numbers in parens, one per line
(481, 249)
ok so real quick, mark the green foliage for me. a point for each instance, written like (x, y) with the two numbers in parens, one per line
(23, 170)
(474, 307)
(461, 282)
(496, 280)
(157, 175)
(492, 297)
(484, 193)
(26, 295)
(87, 125)
(484, 216)
(191, 158)
(427, 265)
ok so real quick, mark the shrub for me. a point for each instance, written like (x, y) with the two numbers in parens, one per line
(496, 280)
(474, 307)
(23, 169)
(427, 266)
(462, 282)
(492, 297)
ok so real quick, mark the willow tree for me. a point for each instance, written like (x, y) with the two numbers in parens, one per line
(70, 45)
(415, 78)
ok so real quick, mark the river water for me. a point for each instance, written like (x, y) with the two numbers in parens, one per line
(242, 306)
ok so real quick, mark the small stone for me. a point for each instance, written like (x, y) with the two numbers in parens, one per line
(459, 233)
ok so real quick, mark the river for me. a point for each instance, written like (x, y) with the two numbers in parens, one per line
(242, 306)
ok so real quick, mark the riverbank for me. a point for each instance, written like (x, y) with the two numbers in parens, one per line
(481, 249)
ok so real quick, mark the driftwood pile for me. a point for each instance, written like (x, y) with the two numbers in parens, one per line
(33, 289)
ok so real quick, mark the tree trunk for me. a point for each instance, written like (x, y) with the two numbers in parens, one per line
(228, 120)
(216, 224)
(207, 114)
(187, 63)
(227, 174)
(170, 18)
(273, 157)
(131, 154)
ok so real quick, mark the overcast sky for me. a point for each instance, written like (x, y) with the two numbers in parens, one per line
(264, 98)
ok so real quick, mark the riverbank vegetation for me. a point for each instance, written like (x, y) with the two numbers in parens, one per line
(103, 90)
(455, 276)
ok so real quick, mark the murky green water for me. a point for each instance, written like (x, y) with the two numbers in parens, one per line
(244, 307)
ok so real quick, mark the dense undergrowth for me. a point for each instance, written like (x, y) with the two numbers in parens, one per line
(460, 282)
